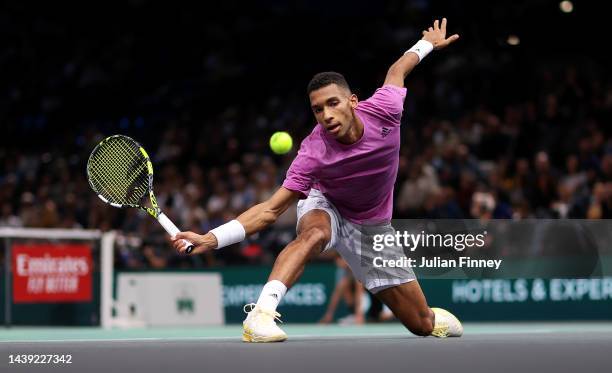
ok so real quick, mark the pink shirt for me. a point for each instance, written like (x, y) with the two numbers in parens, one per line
(357, 178)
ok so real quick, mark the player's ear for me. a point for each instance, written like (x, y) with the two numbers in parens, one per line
(354, 100)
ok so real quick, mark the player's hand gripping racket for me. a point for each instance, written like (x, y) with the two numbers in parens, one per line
(120, 172)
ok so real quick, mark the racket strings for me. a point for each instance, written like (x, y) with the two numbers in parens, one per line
(107, 168)
(110, 174)
(119, 172)
(129, 168)
(123, 178)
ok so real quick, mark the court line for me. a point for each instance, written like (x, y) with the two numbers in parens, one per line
(237, 337)
(474, 330)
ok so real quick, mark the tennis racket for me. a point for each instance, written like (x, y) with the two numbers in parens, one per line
(120, 172)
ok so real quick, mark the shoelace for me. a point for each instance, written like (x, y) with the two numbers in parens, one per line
(252, 306)
(440, 330)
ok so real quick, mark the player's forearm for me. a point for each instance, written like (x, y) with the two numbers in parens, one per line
(252, 220)
(265, 214)
(398, 72)
(258, 217)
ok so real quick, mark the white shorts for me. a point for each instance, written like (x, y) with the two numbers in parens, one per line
(354, 244)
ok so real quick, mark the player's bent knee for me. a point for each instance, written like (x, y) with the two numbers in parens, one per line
(315, 237)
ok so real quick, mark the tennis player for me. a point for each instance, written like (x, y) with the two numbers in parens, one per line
(343, 178)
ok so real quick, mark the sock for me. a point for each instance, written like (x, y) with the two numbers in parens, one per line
(271, 295)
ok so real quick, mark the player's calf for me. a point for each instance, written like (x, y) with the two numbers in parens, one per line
(260, 323)
(436, 322)
(418, 321)
(409, 305)
(422, 325)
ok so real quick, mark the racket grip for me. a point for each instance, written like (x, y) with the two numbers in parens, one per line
(173, 230)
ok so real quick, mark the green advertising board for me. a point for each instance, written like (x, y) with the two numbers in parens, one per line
(523, 299)
(304, 302)
(470, 299)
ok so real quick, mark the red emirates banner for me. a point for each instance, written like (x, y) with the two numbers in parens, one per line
(47, 273)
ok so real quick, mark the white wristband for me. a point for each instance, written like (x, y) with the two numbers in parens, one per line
(422, 48)
(229, 233)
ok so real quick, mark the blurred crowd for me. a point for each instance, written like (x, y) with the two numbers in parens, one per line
(546, 158)
(486, 132)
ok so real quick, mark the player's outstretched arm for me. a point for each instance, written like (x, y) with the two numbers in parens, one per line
(264, 214)
(251, 221)
(433, 38)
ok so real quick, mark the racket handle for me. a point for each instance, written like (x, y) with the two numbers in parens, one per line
(173, 230)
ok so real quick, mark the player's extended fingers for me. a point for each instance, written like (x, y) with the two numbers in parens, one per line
(443, 26)
(452, 38)
(436, 25)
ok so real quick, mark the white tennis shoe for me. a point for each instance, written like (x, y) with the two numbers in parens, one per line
(447, 325)
(260, 325)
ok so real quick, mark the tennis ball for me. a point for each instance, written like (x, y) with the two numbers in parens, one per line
(281, 142)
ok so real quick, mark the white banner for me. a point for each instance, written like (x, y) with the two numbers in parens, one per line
(171, 299)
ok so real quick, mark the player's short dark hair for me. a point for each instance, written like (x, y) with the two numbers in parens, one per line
(324, 79)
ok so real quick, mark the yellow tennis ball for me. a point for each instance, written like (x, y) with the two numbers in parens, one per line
(281, 142)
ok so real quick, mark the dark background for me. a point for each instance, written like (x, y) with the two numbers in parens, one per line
(203, 87)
